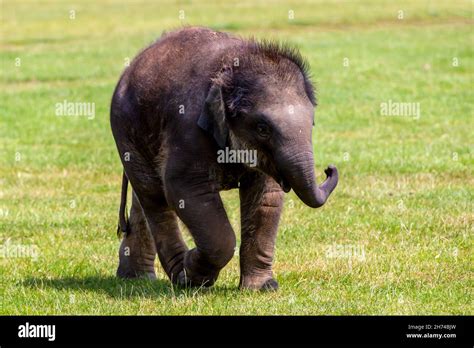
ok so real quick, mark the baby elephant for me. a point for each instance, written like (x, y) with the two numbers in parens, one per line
(198, 112)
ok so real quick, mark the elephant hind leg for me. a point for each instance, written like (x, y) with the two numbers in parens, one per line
(137, 251)
(153, 225)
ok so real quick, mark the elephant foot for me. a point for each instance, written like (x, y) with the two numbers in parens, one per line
(124, 273)
(258, 283)
(198, 271)
(134, 263)
(129, 270)
(185, 280)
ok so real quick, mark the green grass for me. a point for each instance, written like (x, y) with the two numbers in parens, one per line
(405, 197)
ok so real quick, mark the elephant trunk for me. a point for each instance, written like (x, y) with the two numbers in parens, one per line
(297, 168)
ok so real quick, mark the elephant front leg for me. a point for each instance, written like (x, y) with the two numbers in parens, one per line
(202, 211)
(261, 200)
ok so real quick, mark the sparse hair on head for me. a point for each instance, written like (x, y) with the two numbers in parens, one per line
(262, 57)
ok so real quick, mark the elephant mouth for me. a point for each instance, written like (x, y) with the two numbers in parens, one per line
(280, 179)
(285, 186)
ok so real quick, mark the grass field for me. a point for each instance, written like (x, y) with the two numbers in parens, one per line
(396, 236)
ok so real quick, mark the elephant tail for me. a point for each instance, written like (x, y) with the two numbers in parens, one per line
(123, 225)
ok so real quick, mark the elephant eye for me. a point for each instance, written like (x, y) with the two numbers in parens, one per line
(263, 130)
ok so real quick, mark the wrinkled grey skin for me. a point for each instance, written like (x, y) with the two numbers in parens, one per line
(191, 93)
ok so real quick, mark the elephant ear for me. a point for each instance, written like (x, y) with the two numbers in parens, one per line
(212, 118)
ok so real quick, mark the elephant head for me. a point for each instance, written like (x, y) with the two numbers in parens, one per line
(267, 103)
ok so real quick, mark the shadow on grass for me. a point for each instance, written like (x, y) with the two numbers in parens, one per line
(120, 288)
